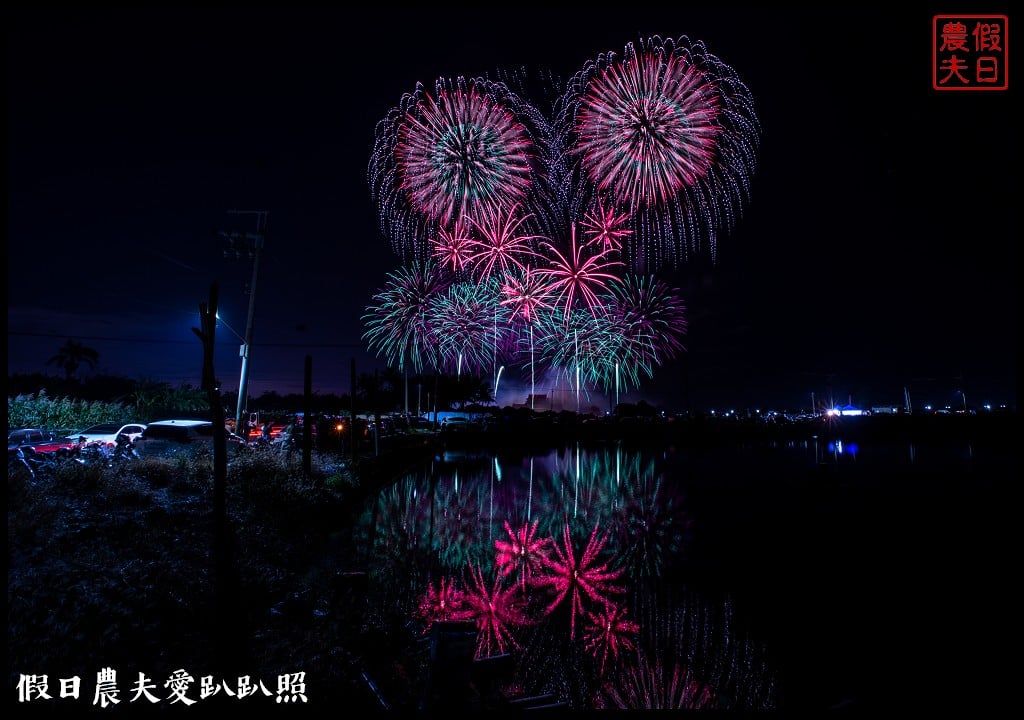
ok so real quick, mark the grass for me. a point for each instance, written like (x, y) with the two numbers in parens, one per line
(118, 567)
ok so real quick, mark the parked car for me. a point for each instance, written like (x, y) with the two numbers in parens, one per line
(40, 440)
(107, 433)
(165, 438)
(458, 424)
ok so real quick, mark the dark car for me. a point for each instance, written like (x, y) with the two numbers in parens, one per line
(458, 424)
(39, 440)
(165, 438)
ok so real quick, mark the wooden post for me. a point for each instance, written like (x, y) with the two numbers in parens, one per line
(352, 423)
(230, 638)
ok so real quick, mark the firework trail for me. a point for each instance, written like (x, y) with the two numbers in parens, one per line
(669, 131)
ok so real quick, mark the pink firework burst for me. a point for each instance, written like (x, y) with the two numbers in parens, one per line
(579, 579)
(441, 602)
(453, 248)
(605, 227)
(667, 130)
(463, 151)
(580, 277)
(524, 294)
(497, 611)
(609, 632)
(502, 246)
(647, 127)
(523, 553)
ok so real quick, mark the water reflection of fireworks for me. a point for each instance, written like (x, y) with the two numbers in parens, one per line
(553, 590)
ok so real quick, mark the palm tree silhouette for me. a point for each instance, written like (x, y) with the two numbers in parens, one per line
(71, 356)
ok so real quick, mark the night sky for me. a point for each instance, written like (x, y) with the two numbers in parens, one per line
(877, 252)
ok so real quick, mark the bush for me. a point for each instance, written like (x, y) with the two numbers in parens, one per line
(63, 413)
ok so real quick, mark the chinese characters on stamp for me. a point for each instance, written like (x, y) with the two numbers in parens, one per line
(969, 52)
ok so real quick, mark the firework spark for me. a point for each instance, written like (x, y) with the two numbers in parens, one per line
(647, 321)
(441, 602)
(502, 246)
(453, 248)
(606, 227)
(468, 323)
(578, 277)
(525, 294)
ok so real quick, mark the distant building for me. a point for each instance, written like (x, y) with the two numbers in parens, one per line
(848, 410)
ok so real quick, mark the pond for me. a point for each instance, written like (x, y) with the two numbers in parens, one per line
(762, 576)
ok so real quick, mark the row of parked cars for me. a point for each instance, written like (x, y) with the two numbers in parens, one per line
(160, 438)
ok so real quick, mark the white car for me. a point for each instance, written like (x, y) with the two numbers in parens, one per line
(107, 433)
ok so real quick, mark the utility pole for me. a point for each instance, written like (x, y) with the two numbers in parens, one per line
(249, 244)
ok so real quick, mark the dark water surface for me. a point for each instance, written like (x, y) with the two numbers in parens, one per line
(797, 575)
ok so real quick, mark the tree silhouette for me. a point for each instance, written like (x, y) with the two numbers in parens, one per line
(71, 356)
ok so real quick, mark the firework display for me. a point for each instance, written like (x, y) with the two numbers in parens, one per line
(536, 240)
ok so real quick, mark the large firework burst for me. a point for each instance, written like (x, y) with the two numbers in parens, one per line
(668, 130)
(468, 147)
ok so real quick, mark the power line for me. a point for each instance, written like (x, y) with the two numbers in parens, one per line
(178, 342)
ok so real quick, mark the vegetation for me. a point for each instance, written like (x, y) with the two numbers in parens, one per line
(114, 567)
(39, 400)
